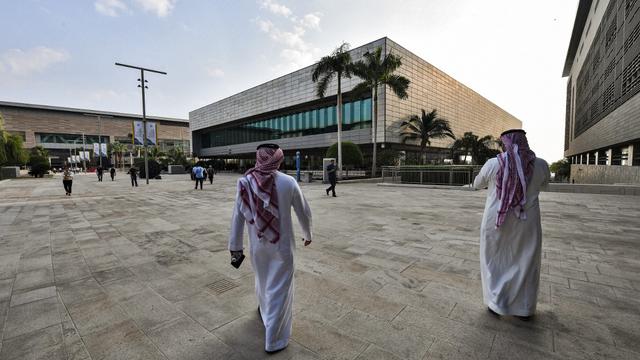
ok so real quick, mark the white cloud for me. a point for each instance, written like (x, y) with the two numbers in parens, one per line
(110, 7)
(25, 62)
(161, 8)
(275, 8)
(296, 52)
(311, 21)
(214, 72)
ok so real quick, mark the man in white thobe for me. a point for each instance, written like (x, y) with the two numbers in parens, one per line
(511, 233)
(264, 201)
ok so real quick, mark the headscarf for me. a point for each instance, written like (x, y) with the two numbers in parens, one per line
(259, 195)
(514, 174)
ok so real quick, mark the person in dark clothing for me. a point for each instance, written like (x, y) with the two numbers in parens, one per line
(67, 180)
(112, 171)
(100, 172)
(331, 172)
(133, 172)
(210, 174)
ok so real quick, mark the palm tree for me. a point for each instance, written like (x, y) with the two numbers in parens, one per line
(424, 128)
(376, 71)
(337, 65)
(118, 149)
(478, 148)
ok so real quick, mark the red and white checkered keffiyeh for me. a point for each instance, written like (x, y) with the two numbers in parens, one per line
(257, 189)
(516, 168)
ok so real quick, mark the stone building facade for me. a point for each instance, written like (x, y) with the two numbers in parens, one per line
(287, 111)
(60, 129)
(602, 121)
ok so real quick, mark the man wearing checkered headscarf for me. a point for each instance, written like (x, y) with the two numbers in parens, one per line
(264, 200)
(511, 233)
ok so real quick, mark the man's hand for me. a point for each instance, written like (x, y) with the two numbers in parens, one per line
(306, 242)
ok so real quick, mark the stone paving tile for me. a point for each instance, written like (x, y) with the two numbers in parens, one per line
(33, 295)
(393, 281)
(26, 318)
(44, 344)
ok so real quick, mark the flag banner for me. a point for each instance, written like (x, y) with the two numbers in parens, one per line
(96, 149)
(138, 132)
(103, 147)
(152, 135)
(84, 155)
(68, 160)
(76, 159)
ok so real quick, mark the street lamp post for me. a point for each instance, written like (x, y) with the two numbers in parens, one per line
(143, 86)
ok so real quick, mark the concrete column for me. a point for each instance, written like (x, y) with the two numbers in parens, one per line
(609, 154)
(596, 156)
(630, 161)
(588, 154)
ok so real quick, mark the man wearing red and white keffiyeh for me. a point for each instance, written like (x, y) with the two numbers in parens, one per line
(264, 200)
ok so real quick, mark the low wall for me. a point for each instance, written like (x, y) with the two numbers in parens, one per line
(605, 174)
(9, 172)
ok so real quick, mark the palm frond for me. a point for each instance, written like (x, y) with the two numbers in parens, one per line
(399, 85)
(322, 85)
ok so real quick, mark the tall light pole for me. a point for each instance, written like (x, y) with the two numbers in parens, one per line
(84, 163)
(143, 86)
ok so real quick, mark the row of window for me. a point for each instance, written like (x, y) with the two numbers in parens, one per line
(619, 156)
(45, 138)
(355, 115)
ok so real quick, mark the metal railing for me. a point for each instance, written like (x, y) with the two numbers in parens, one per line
(453, 175)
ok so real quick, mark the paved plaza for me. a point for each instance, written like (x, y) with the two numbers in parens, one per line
(393, 273)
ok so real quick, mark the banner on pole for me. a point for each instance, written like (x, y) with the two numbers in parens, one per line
(103, 147)
(152, 134)
(96, 149)
(138, 132)
(84, 155)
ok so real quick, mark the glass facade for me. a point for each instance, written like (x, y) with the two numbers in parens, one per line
(356, 115)
(44, 138)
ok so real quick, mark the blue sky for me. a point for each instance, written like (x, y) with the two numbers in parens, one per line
(62, 52)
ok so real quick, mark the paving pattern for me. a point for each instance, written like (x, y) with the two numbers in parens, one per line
(119, 273)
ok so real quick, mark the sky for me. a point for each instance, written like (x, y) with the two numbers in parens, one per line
(62, 52)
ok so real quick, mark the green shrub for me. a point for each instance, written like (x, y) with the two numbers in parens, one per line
(351, 154)
(154, 168)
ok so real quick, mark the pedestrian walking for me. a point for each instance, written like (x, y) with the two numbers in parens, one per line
(199, 174)
(210, 173)
(67, 180)
(263, 201)
(133, 172)
(511, 233)
(331, 173)
(112, 172)
(99, 172)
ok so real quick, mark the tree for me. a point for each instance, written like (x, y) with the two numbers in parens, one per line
(155, 153)
(337, 65)
(177, 156)
(39, 161)
(425, 128)
(376, 71)
(118, 150)
(480, 149)
(561, 169)
(352, 156)
(14, 150)
(3, 143)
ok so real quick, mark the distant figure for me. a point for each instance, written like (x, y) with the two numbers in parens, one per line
(210, 172)
(263, 201)
(112, 172)
(67, 180)
(199, 174)
(99, 172)
(331, 172)
(511, 233)
(133, 172)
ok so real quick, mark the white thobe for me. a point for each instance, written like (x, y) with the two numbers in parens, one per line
(273, 263)
(510, 255)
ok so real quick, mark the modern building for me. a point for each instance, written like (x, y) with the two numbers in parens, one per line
(287, 111)
(602, 125)
(61, 130)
